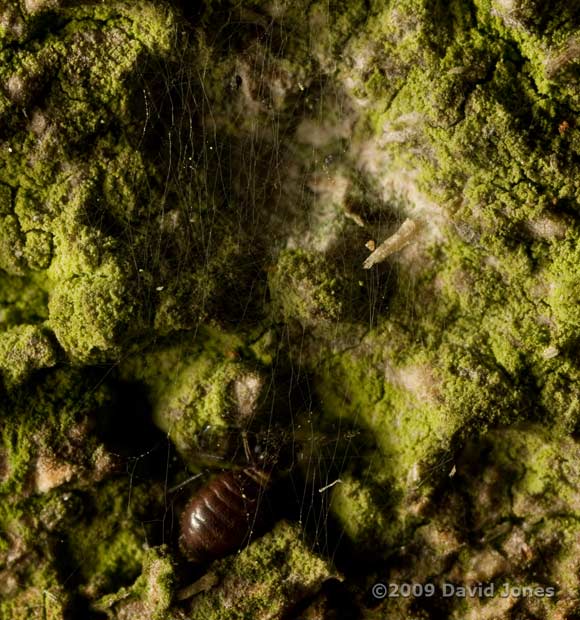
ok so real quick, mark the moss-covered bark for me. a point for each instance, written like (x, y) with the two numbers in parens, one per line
(187, 198)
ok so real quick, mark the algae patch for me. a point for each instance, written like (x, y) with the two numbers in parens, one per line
(185, 198)
(265, 580)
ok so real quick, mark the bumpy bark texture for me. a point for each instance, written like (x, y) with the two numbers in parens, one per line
(187, 198)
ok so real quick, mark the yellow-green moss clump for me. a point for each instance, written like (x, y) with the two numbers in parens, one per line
(24, 348)
(86, 219)
(151, 594)
(65, 96)
(363, 517)
(106, 544)
(305, 288)
(100, 300)
(50, 467)
(480, 125)
(265, 580)
(516, 487)
(202, 393)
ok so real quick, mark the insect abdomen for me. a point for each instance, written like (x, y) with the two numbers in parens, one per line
(222, 515)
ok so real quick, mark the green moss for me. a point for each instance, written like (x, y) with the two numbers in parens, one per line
(305, 288)
(11, 246)
(188, 299)
(564, 290)
(202, 392)
(533, 472)
(190, 387)
(24, 349)
(21, 301)
(78, 76)
(89, 313)
(40, 596)
(5, 200)
(107, 545)
(50, 491)
(264, 348)
(500, 343)
(266, 579)
(38, 249)
(120, 224)
(336, 21)
(544, 461)
(150, 595)
(472, 103)
(409, 428)
(45, 418)
(363, 520)
(558, 379)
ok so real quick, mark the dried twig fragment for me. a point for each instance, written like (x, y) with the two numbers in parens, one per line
(393, 244)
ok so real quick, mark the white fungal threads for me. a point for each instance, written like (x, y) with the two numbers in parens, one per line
(392, 244)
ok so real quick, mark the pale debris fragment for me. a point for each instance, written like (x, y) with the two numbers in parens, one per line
(329, 486)
(393, 244)
(550, 352)
(355, 217)
(247, 390)
(51, 473)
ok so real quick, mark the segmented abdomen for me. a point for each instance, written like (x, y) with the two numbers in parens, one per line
(221, 516)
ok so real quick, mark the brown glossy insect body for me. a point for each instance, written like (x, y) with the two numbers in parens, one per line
(221, 517)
